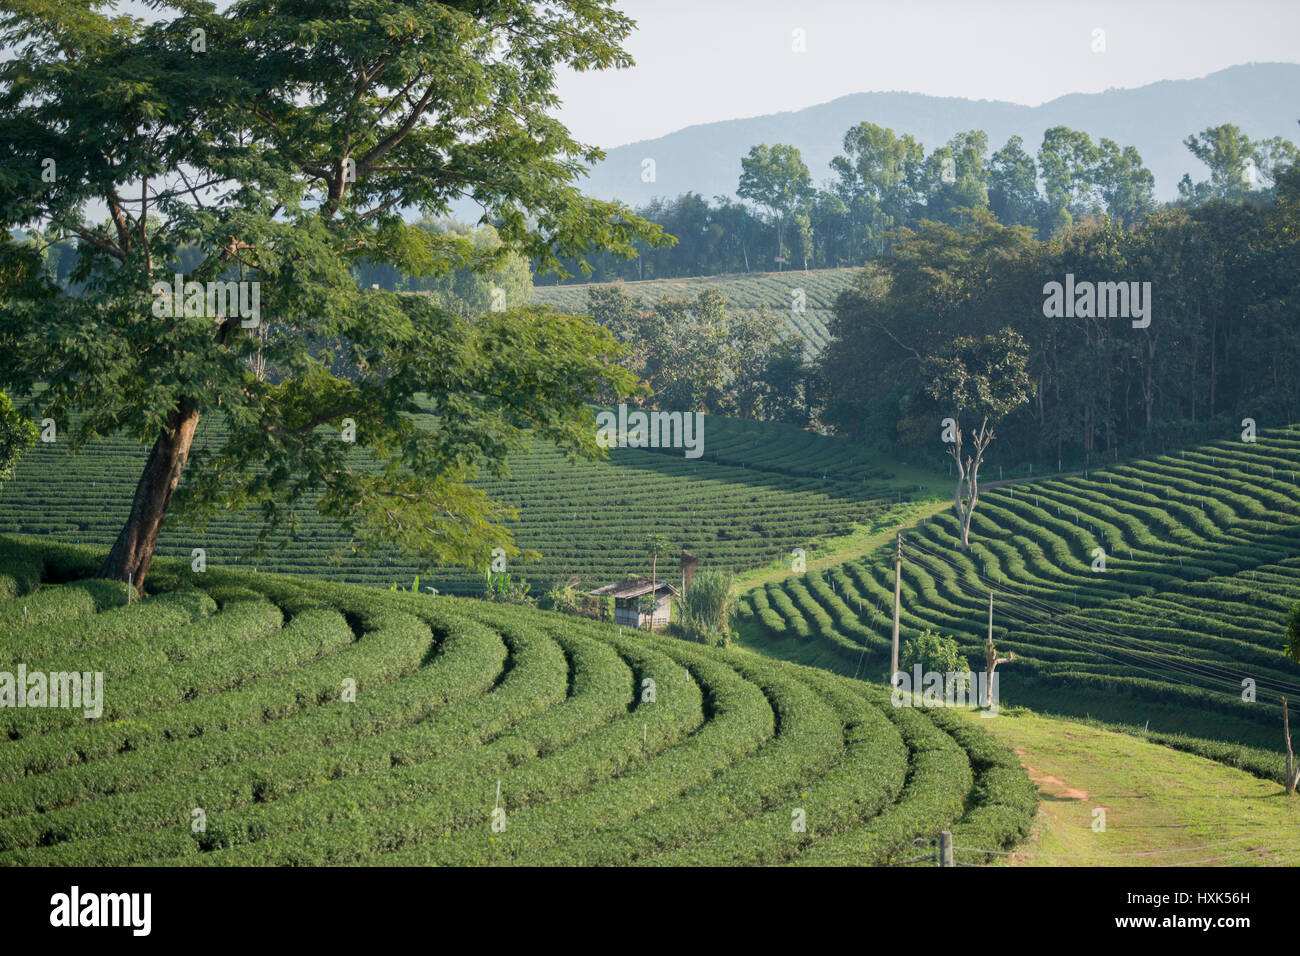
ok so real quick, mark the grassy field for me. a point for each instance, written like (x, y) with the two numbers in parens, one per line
(758, 491)
(1200, 571)
(776, 291)
(1161, 807)
(253, 719)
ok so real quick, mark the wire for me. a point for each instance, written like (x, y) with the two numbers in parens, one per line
(1110, 638)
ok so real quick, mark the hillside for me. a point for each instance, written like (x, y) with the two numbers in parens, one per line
(227, 737)
(1200, 572)
(775, 290)
(758, 491)
(1257, 97)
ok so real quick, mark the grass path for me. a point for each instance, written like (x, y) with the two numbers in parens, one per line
(864, 539)
(1163, 807)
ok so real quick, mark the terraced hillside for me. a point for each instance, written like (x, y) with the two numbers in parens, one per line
(758, 491)
(775, 290)
(227, 736)
(1202, 564)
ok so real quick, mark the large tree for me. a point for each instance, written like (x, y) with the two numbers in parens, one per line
(775, 178)
(1013, 185)
(981, 380)
(879, 179)
(282, 139)
(1227, 151)
(1124, 185)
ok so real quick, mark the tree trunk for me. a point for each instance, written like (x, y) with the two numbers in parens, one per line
(132, 553)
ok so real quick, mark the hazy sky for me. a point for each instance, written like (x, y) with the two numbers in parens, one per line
(705, 60)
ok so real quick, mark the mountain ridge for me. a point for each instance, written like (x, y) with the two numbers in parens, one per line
(1156, 118)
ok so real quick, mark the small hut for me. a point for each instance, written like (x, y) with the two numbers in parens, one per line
(628, 599)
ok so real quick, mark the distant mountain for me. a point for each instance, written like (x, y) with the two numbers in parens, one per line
(1261, 98)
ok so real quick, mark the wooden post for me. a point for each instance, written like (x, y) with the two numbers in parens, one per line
(945, 848)
(898, 605)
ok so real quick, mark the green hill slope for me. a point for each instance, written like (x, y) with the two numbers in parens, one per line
(228, 736)
(758, 491)
(775, 290)
(1201, 568)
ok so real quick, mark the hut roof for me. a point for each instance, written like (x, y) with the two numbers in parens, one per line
(631, 589)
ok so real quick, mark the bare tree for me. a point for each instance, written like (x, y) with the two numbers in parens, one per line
(991, 662)
(967, 493)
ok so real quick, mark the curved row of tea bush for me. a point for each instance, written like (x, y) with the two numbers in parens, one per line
(1201, 570)
(231, 736)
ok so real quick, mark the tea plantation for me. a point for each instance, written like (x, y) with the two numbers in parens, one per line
(758, 491)
(254, 719)
(1201, 566)
(778, 291)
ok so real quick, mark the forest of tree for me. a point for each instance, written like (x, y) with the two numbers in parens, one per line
(954, 243)
(1221, 344)
(884, 182)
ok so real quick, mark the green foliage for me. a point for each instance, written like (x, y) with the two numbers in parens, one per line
(706, 608)
(933, 653)
(567, 597)
(984, 378)
(1292, 645)
(743, 294)
(496, 279)
(1102, 384)
(317, 165)
(776, 178)
(17, 434)
(1225, 150)
(502, 587)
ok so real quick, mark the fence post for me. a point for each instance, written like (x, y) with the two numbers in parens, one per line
(945, 848)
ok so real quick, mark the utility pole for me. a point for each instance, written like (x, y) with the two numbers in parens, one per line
(898, 605)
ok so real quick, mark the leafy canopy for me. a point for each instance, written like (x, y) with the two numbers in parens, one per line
(282, 141)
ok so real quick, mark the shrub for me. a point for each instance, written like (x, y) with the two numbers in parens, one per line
(933, 653)
(706, 608)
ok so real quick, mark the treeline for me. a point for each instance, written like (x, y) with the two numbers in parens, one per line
(1220, 340)
(883, 182)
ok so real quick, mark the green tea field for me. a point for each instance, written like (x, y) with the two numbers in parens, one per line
(777, 291)
(758, 491)
(1151, 593)
(253, 719)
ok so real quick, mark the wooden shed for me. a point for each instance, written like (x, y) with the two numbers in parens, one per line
(628, 596)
